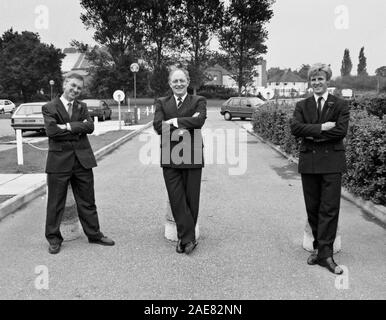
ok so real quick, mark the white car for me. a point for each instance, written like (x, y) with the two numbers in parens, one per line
(6, 106)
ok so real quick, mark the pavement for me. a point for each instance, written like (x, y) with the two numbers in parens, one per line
(251, 230)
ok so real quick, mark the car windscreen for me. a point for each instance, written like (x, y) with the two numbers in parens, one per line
(93, 104)
(29, 109)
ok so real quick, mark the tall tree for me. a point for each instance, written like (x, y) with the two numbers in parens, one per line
(199, 21)
(362, 65)
(243, 36)
(345, 70)
(27, 65)
(303, 71)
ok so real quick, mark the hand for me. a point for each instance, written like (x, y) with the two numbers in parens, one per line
(62, 126)
(328, 126)
(85, 120)
(170, 121)
(196, 115)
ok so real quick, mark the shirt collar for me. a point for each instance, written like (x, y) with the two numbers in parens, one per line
(183, 97)
(325, 96)
(65, 101)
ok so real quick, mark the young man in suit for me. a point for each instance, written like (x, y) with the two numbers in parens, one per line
(70, 160)
(322, 121)
(178, 119)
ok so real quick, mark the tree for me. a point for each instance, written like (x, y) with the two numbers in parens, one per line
(243, 36)
(274, 71)
(380, 73)
(199, 21)
(362, 65)
(345, 70)
(27, 65)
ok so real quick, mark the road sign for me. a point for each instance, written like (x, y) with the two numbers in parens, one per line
(119, 95)
(134, 67)
(346, 93)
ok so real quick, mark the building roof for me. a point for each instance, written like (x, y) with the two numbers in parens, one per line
(74, 60)
(287, 76)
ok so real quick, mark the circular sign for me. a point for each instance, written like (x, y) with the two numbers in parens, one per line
(134, 67)
(52, 82)
(118, 95)
(267, 93)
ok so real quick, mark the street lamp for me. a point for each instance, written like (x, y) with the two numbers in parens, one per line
(52, 82)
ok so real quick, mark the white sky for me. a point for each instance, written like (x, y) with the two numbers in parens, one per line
(301, 31)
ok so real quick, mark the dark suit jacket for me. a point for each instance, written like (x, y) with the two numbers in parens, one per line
(64, 145)
(321, 151)
(186, 140)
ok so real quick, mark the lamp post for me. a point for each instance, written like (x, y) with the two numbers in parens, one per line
(134, 68)
(52, 82)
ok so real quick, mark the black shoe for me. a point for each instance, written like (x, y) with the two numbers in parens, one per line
(190, 246)
(54, 248)
(313, 258)
(104, 241)
(180, 247)
(330, 264)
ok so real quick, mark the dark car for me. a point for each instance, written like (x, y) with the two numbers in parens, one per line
(98, 108)
(241, 107)
(28, 117)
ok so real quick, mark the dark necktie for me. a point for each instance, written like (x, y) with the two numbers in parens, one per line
(179, 102)
(69, 109)
(320, 108)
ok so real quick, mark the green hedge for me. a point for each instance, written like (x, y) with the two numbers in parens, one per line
(365, 146)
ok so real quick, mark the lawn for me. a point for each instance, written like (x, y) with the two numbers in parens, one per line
(35, 160)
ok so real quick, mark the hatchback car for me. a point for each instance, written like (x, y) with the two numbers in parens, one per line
(241, 107)
(98, 108)
(28, 117)
(6, 106)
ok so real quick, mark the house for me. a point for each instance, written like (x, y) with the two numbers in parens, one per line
(219, 76)
(75, 62)
(288, 84)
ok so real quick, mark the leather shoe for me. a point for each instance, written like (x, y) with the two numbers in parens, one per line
(54, 248)
(190, 246)
(180, 247)
(104, 241)
(313, 258)
(330, 264)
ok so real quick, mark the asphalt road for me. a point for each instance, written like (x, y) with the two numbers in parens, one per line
(251, 228)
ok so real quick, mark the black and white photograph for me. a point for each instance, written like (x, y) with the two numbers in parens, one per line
(193, 155)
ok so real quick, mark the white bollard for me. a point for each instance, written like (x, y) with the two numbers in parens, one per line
(19, 146)
(96, 126)
(147, 111)
(170, 225)
(139, 113)
(308, 239)
(152, 108)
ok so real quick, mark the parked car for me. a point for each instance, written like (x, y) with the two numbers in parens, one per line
(242, 107)
(28, 117)
(98, 108)
(6, 106)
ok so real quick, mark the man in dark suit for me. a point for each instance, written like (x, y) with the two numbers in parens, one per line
(322, 121)
(178, 119)
(70, 160)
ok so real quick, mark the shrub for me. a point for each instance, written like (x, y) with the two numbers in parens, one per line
(365, 146)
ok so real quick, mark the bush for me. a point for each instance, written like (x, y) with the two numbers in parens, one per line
(216, 92)
(365, 146)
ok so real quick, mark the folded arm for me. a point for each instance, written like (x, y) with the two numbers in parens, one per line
(197, 120)
(341, 125)
(301, 129)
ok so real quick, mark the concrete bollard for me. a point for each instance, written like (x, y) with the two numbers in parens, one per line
(308, 239)
(139, 114)
(70, 226)
(147, 111)
(170, 225)
(152, 108)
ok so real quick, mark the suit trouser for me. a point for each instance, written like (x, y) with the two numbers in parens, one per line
(322, 198)
(82, 183)
(183, 187)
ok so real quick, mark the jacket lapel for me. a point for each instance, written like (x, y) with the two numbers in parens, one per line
(185, 104)
(328, 105)
(312, 110)
(62, 111)
(171, 106)
(75, 110)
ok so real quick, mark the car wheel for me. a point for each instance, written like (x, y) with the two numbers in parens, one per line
(2, 111)
(103, 117)
(242, 118)
(227, 116)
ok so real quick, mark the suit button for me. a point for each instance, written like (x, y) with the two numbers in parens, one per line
(313, 151)
(326, 151)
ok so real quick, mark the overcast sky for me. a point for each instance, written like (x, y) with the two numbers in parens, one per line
(301, 31)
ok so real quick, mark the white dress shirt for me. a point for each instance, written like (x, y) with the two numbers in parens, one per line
(65, 103)
(324, 96)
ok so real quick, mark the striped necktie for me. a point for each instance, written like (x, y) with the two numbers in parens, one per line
(179, 102)
(320, 108)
